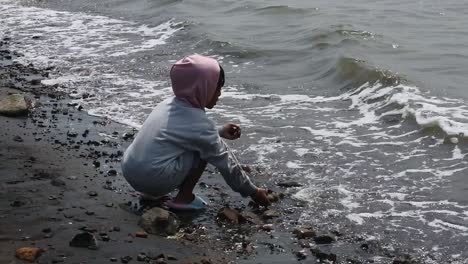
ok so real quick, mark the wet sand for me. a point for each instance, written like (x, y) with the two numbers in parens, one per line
(60, 176)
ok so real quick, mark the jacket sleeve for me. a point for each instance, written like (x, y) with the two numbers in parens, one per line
(213, 149)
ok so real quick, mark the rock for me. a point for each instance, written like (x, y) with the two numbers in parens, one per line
(17, 203)
(270, 214)
(267, 227)
(289, 184)
(112, 172)
(127, 136)
(250, 217)
(13, 105)
(85, 240)
(324, 239)
(305, 232)
(28, 253)
(57, 182)
(113, 259)
(304, 243)
(141, 234)
(92, 194)
(141, 257)
(321, 255)
(158, 221)
(301, 254)
(230, 215)
(18, 139)
(404, 260)
(125, 259)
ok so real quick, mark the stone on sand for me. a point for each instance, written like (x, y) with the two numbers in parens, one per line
(158, 221)
(229, 215)
(13, 105)
(29, 254)
(304, 232)
(85, 240)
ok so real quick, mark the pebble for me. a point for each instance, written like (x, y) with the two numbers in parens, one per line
(270, 214)
(141, 234)
(92, 193)
(267, 227)
(85, 240)
(17, 203)
(305, 232)
(141, 257)
(301, 255)
(229, 215)
(18, 139)
(324, 239)
(28, 253)
(125, 259)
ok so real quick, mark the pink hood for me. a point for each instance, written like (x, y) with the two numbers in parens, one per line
(195, 79)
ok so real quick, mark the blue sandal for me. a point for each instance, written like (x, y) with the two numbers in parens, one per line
(197, 204)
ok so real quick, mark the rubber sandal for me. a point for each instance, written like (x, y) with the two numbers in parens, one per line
(197, 204)
(148, 197)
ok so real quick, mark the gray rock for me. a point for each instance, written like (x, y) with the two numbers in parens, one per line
(323, 255)
(324, 239)
(250, 217)
(304, 232)
(270, 214)
(13, 105)
(229, 215)
(158, 221)
(85, 240)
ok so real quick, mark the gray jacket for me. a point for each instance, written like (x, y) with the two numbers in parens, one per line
(172, 137)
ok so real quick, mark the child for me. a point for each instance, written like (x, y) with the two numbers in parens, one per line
(177, 140)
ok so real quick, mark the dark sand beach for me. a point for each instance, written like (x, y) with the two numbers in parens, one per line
(60, 176)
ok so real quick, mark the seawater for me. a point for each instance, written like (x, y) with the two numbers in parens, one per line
(363, 102)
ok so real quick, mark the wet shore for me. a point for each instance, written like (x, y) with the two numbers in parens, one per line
(61, 177)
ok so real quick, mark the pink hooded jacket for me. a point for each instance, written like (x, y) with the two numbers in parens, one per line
(195, 79)
(178, 132)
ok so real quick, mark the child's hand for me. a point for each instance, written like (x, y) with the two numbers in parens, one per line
(261, 197)
(230, 131)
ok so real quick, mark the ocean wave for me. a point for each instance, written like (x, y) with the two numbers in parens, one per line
(396, 103)
(352, 73)
(283, 10)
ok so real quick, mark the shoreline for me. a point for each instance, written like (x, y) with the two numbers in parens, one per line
(63, 154)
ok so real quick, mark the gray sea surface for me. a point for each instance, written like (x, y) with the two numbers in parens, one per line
(364, 102)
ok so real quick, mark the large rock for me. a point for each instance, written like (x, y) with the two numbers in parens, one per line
(158, 221)
(29, 254)
(13, 105)
(85, 240)
(229, 215)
